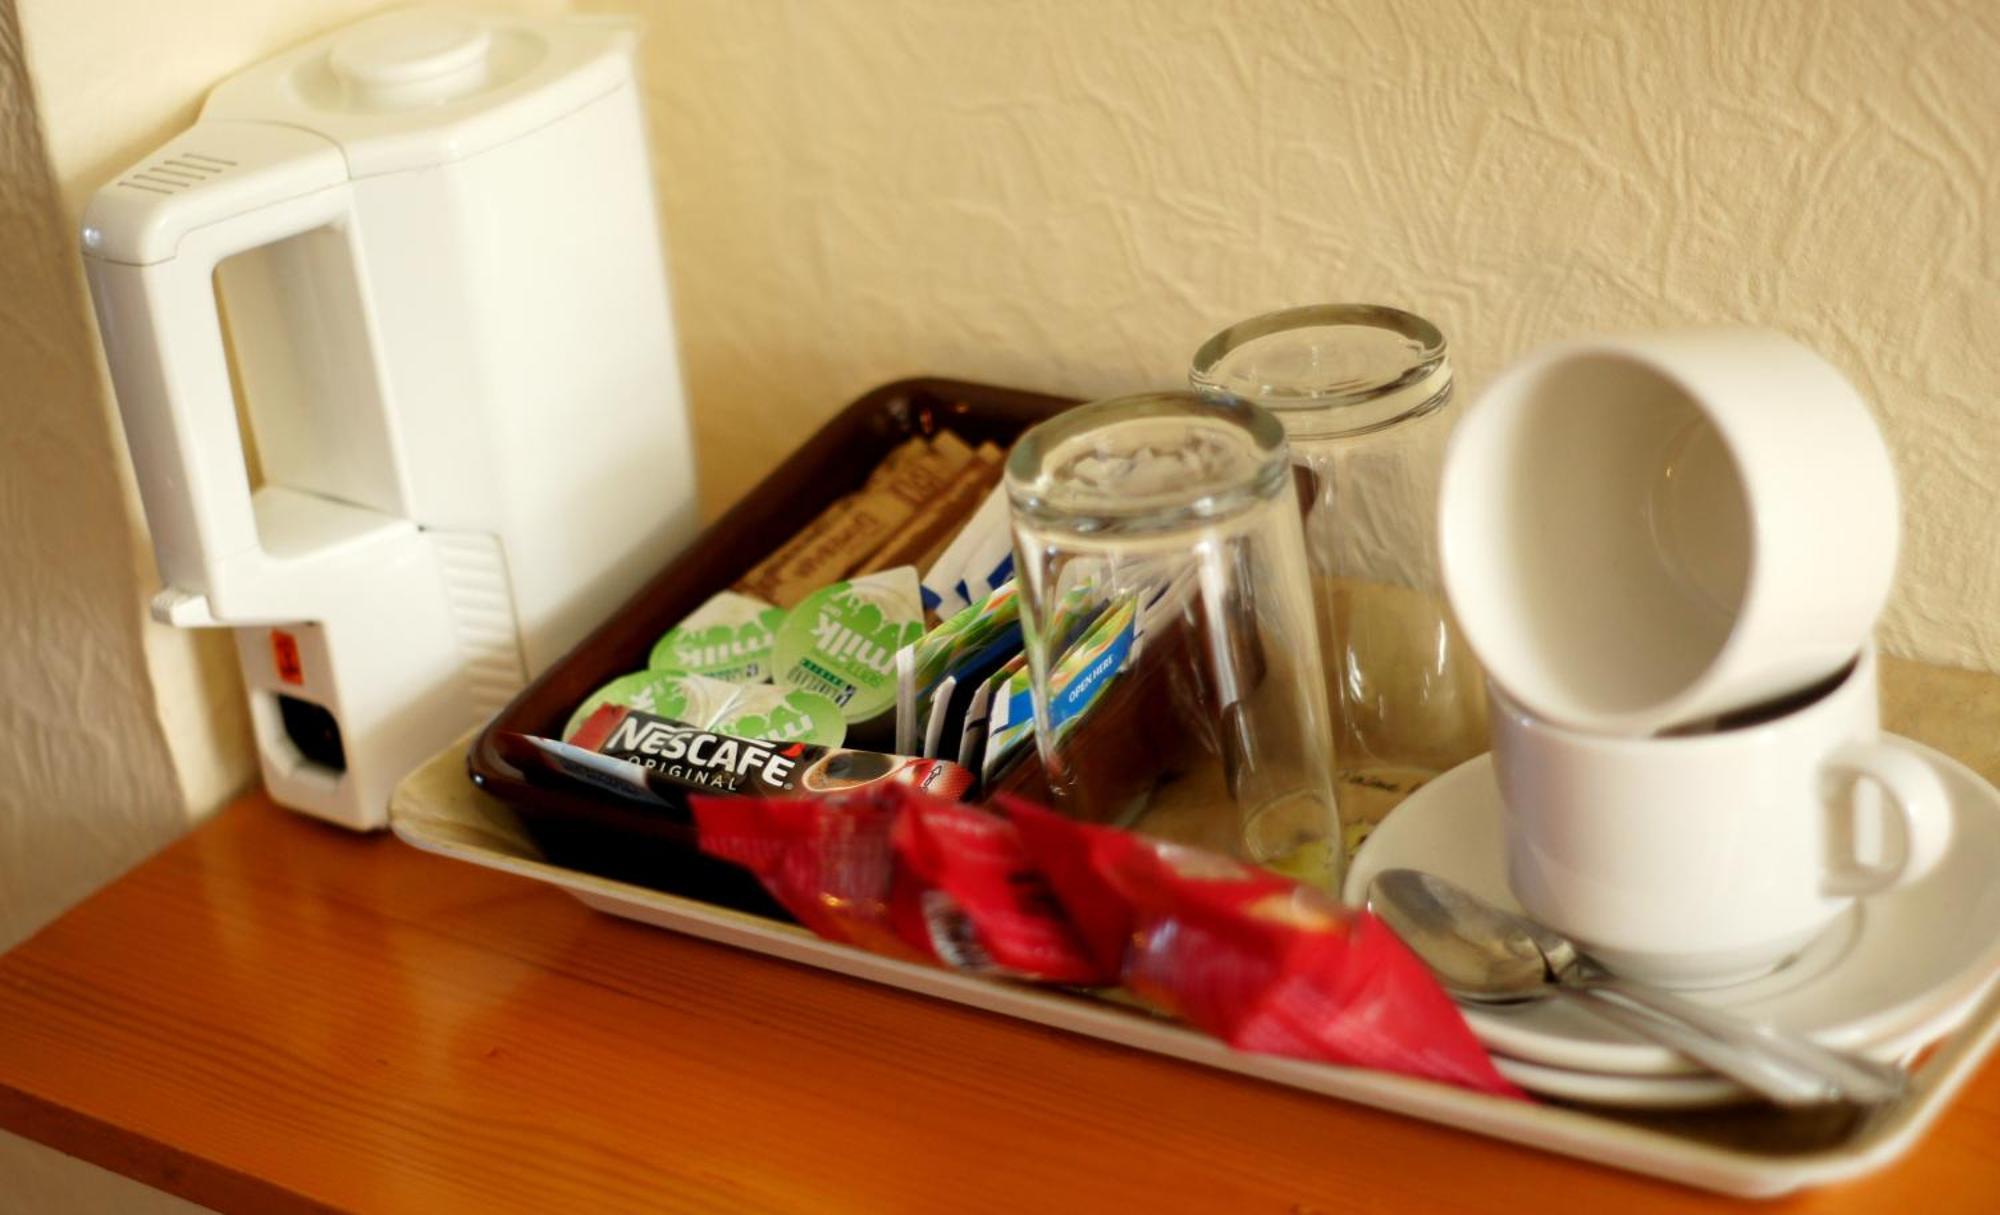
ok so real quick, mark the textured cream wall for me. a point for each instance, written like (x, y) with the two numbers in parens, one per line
(87, 785)
(1072, 195)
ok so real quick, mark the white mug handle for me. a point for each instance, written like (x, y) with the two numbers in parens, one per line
(1916, 806)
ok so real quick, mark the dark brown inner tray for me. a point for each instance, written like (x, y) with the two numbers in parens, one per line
(615, 841)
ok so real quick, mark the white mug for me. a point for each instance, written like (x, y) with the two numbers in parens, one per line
(1639, 533)
(1710, 858)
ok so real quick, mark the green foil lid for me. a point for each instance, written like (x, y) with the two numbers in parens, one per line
(841, 640)
(729, 637)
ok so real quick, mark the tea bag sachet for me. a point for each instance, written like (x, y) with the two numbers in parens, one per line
(951, 701)
(1077, 683)
(986, 535)
(922, 666)
(972, 738)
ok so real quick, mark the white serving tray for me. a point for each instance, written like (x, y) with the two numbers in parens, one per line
(1753, 1152)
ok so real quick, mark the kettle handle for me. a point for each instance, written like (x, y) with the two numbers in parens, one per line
(152, 239)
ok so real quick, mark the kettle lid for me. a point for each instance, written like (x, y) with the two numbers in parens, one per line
(418, 87)
(412, 59)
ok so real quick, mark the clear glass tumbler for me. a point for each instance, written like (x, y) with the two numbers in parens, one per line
(1365, 397)
(1169, 630)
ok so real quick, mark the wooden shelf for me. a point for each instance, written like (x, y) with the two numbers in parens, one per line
(274, 1015)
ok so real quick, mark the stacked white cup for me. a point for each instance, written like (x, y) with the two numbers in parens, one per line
(1669, 552)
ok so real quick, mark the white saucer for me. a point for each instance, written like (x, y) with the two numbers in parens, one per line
(1900, 970)
(1699, 1091)
(1625, 1092)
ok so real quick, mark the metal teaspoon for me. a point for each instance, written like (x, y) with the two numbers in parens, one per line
(1483, 954)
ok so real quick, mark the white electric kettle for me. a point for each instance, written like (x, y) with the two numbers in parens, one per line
(435, 245)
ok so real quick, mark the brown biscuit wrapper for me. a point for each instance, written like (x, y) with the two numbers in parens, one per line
(943, 452)
(846, 533)
(910, 449)
(918, 481)
(950, 448)
(933, 527)
(837, 541)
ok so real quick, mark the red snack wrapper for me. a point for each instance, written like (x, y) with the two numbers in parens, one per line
(1249, 956)
(1064, 851)
(827, 860)
(979, 893)
(1254, 958)
(898, 873)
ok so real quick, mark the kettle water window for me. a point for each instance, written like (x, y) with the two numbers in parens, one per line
(303, 373)
(253, 464)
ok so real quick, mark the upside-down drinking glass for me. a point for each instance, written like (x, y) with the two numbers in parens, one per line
(1365, 397)
(1160, 530)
